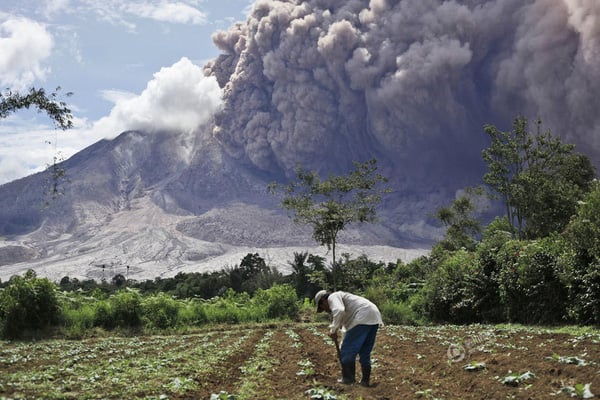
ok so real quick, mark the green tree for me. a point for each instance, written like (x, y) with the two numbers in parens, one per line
(582, 259)
(56, 109)
(538, 178)
(462, 226)
(28, 303)
(329, 205)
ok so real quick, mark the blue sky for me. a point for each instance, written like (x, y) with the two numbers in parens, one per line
(129, 65)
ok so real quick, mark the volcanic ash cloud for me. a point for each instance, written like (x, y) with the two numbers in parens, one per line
(412, 82)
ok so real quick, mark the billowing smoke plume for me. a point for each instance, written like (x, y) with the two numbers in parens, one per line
(412, 82)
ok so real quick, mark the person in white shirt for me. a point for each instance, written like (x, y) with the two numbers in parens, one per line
(361, 319)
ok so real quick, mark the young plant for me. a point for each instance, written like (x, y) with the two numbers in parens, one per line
(320, 394)
(307, 368)
(568, 360)
(579, 390)
(514, 378)
(222, 395)
(474, 366)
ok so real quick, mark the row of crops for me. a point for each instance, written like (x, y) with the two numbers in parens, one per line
(298, 361)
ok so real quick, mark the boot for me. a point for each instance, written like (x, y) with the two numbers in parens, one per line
(348, 373)
(366, 375)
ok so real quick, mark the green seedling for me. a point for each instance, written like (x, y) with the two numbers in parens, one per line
(427, 393)
(222, 395)
(579, 390)
(567, 360)
(307, 368)
(320, 394)
(514, 378)
(474, 366)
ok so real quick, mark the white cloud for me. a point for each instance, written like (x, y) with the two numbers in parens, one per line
(24, 148)
(52, 7)
(116, 96)
(24, 45)
(179, 98)
(177, 12)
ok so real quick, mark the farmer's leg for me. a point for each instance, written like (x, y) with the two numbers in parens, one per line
(367, 344)
(353, 343)
(365, 355)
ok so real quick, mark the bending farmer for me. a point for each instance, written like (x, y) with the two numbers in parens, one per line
(361, 319)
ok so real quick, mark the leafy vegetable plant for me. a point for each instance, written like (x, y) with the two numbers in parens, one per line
(320, 394)
(222, 395)
(568, 360)
(474, 366)
(579, 390)
(514, 378)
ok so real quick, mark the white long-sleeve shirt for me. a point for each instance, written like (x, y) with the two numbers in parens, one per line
(349, 310)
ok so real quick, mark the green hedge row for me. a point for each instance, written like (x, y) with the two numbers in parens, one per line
(29, 304)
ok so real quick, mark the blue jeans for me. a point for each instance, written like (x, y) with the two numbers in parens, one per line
(359, 340)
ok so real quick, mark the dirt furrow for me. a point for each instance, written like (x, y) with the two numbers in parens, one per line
(225, 374)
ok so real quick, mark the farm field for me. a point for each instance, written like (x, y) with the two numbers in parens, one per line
(297, 361)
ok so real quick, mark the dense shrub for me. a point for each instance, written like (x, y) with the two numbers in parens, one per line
(280, 301)
(354, 275)
(581, 260)
(448, 290)
(160, 311)
(585, 305)
(192, 312)
(28, 303)
(126, 308)
(103, 315)
(484, 282)
(530, 285)
(398, 313)
(233, 308)
(78, 312)
(78, 320)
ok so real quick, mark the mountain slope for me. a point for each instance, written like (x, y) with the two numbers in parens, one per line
(160, 204)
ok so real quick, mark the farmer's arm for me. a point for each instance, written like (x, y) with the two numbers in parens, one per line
(337, 311)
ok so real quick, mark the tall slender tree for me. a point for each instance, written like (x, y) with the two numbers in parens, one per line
(329, 205)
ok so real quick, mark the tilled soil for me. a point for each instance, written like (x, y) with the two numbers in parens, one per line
(412, 362)
(284, 361)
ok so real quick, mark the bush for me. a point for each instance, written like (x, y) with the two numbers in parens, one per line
(28, 303)
(233, 308)
(531, 289)
(582, 260)
(192, 312)
(447, 290)
(78, 320)
(160, 311)
(398, 314)
(484, 283)
(586, 301)
(280, 301)
(126, 308)
(103, 315)
(582, 281)
(78, 313)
